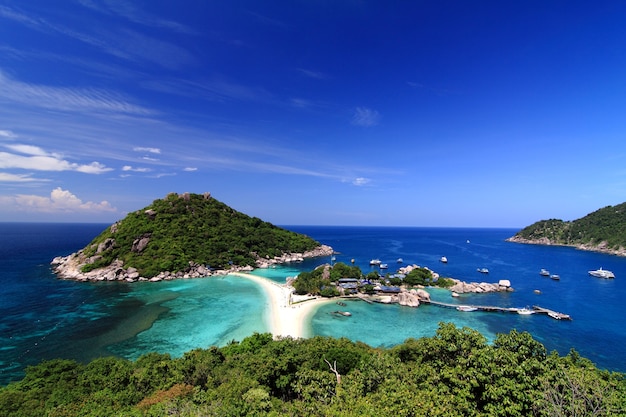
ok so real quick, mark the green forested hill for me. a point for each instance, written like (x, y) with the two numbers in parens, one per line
(179, 229)
(455, 373)
(604, 229)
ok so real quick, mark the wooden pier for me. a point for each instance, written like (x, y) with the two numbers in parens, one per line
(536, 309)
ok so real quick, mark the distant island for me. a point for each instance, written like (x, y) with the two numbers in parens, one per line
(603, 230)
(185, 236)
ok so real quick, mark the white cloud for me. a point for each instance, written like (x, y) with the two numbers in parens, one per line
(59, 201)
(93, 168)
(365, 117)
(149, 150)
(7, 134)
(47, 162)
(359, 182)
(190, 169)
(6, 177)
(130, 168)
(28, 149)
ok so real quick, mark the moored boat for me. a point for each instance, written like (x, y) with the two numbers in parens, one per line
(525, 311)
(602, 273)
(555, 277)
(544, 272)
(400, 260)
(466, 308)
(383, 266)
(375, 262)
(443, 259)
(483, 270)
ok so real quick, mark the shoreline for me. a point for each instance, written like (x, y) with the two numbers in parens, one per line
(580, 246)
(284, 318)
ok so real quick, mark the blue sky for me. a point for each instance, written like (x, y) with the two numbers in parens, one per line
(405, 113)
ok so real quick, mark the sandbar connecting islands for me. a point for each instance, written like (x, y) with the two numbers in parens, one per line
(286, 318)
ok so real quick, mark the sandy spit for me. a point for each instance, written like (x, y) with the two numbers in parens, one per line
(285, 318)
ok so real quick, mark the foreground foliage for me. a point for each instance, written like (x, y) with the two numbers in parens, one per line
(606, 226)
(180, 229)
(455, 373)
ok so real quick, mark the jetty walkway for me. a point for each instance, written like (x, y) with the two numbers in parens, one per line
(536, 309)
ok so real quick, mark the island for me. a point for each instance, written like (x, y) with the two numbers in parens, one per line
(185, 236)
(604, 231)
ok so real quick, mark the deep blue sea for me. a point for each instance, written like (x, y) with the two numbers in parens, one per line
(42, 317)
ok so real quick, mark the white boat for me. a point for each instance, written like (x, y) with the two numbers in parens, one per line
(375, 262)
(400, 260)
(544, 272)
(602, 273)
(483, 270)
(384, 266)
(455, 295)
(466, 308)
(555, 277)
(525, 311)
(443, 259)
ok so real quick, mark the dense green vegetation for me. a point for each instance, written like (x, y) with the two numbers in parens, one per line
(454, 373)
(324, 279)
(605, 225)
(194, 228)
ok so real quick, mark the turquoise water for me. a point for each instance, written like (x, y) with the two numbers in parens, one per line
(42, 317)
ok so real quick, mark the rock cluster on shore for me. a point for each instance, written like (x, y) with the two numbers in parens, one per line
(461, 287)
(408, 298)
(69, 267)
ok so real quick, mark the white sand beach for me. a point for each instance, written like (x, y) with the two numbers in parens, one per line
(285, 319)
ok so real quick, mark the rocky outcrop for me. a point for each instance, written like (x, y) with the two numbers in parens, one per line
(601, 247)
(70, 267)
(461, 287)
(408, 298)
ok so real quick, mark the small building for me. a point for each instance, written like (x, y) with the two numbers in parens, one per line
(390, 290)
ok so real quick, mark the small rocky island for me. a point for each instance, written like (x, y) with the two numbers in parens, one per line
(604, 231)
(185, 236)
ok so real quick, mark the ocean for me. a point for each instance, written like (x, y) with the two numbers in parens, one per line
(42, 317)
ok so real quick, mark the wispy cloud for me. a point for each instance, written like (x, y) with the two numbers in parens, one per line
(59, 201)
(67, 99)
(149, 150)
(125, 43)
(359, 182)
(128, 11)
(37, 159)
(28, 149)
(190, 169)
(7, 177)
(20, 17)
(135, 169)
(365, 117)
(216, 89)
(7, 134)
(313, 74)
